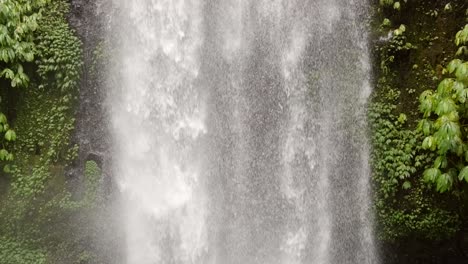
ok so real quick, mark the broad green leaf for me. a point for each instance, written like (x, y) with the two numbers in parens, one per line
(427, 102)
(459, 146)
(448, 7)
(458, 86)
(440, 162)
(3, 154)
(445, 106)
(453, 116)
(453, 65)
(463, 174)
(462, 72)
(386, 22)
(463, 96)
(10, 135)
(451, 129)
(430, 175)
(425, 126)
(462, 50)
(428, 143)
(402, 28)
(444, 145)
(3, 119)
(445, 87)
(444, 182)
(406, 185)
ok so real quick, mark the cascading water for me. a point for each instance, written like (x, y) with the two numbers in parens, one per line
(240, 131)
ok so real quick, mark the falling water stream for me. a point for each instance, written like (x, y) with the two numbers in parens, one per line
(240, 132)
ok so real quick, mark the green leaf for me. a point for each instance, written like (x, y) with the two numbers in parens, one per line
(425, 126)
(445, 106)
(3, 154)
(10, 135)
(440, 162)
(458, 86)
(445, 87)
(402, 118)
(453, 116)
(462, 72)
(427, 102)
(463, 96)
(406, 185)
(444, 182)
(430, 175)
(444, 144)
(453, 65)
(462, 50)
(3, 119)
(428, 143)
(451, 129)
(7, 168)
(448, 7)
(463, 174)
(402, 28)
(386, 22)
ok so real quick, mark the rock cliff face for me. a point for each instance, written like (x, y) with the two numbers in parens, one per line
(91, 129)
(91, 133)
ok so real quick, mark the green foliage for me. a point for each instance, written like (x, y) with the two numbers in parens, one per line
(396, 45)
(37, 209)
(445, 114)
(396, 149)
(59, 62)
(417, 214)
(406, 206)
(45, 122)
(13, 252)
(461, 39)
(18, 22)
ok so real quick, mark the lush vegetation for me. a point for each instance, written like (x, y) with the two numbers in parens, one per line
(418, 118)
(40, 68)
(445, 112)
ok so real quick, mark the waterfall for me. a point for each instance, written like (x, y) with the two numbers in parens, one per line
(239, 130)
